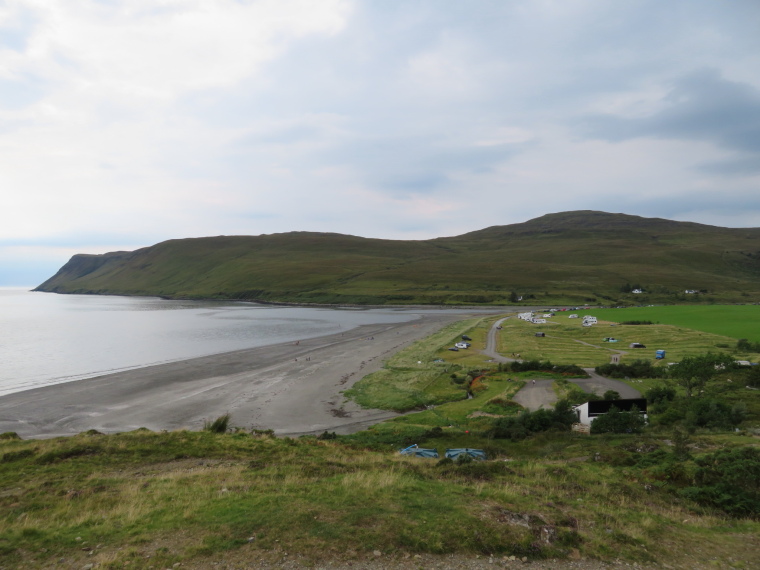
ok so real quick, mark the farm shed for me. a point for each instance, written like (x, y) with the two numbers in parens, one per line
(589, 411)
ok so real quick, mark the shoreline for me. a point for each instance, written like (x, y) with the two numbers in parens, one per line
(292, 388)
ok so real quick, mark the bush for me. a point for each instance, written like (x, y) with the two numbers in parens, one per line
(219, 425)
(636, 369)
(743, 345)
(727, 479)
(692, 413)
(611, 395)
(527, 423)
(660, 394)
(616, 421)
(546, 366)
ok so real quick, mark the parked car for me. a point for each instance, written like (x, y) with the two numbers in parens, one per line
(465, 337)
(462, 345)
(454, 348)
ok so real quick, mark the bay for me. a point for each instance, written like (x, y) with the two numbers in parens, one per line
(47, 338)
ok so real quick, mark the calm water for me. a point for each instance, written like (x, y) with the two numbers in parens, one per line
(47, 338)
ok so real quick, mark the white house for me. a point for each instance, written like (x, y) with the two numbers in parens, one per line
(637, 291)
(525, 316)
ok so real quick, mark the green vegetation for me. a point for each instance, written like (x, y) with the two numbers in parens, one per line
(566, 258)
(568, 342)
(681, 492)
(617, 421)
(733, 321)
(219, 425)
(198, 498)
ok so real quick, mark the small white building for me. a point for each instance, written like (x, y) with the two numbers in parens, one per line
(637, 291)
(539, 321)
(525, 316)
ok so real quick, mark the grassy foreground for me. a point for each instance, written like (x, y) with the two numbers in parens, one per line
(160, 498)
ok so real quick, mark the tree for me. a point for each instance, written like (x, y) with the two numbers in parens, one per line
(694, 371)
(513, 298)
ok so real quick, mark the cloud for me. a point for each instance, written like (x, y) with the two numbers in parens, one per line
(702, 106)
(134, 121)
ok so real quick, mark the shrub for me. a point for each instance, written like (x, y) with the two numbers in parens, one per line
(219, 425)
(727, 479)
(616, 421)
(743, 345)
(658, 394)
(527, 423)
(636, 369)
(611, 395)
(547, 366)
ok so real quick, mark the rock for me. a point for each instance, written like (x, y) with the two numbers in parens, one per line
(377, 553)
(524, 558)
(88, 567)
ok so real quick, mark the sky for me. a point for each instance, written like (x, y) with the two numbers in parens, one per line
(124, 123)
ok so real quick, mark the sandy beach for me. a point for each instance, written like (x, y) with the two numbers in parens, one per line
(291, 388)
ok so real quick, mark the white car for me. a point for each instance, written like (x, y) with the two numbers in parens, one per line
(462, 345)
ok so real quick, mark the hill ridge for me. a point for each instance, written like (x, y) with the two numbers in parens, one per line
(566, 256)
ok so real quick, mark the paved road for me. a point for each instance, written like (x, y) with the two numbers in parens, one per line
(540, 393)
(536, 395)
(491, 339)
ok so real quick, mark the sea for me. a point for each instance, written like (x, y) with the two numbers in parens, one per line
(46, 338)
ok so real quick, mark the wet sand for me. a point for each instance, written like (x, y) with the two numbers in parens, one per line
(291, 388)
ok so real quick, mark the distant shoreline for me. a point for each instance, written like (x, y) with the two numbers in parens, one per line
(292, 388)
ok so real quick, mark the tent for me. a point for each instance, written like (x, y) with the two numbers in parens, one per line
(415, 451)
(465, 451)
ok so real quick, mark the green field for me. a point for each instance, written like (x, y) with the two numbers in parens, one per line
(568, 342)
(735, 321)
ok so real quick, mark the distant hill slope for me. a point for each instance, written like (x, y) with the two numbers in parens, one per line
(569, 257)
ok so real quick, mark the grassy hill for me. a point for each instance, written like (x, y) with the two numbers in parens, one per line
(571, 257)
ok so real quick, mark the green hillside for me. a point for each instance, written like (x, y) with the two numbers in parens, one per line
(571, 257)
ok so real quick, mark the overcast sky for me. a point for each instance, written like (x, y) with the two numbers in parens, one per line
(127, 122)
